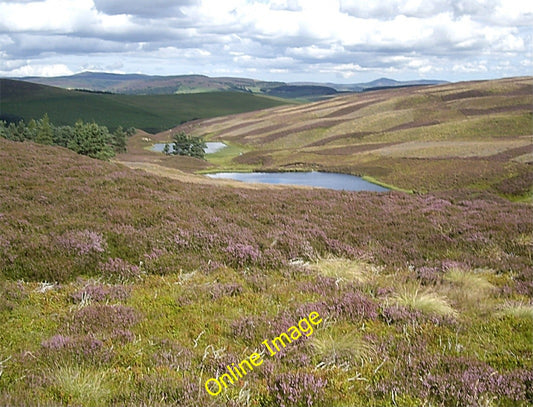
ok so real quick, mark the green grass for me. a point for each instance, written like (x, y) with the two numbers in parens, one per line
(76, 385)
(224, 158)
(152, 113)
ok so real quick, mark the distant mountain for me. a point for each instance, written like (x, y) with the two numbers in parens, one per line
(138, 84)
(381, 83)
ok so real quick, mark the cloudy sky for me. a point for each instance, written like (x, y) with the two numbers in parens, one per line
(340, 41)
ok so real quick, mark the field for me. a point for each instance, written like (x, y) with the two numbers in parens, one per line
(151, 112)
(134, 286)
(475, 135)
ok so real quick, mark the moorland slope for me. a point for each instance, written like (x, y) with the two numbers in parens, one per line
(122, 288)
(475, 135)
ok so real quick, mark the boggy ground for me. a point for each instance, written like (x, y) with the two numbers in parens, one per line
(118, 287)
(473, 135)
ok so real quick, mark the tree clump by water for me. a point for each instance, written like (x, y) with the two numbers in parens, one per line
(187, 145)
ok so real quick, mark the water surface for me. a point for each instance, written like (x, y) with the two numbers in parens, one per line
(311, 179)
(212, 147)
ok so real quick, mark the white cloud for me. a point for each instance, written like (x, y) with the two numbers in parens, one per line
(38, 70)
(315, 52)
(470, 67)
(342, 38)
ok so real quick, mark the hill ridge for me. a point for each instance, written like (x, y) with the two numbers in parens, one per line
(169, 84)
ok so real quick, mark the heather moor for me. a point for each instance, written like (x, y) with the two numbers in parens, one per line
(135, 280)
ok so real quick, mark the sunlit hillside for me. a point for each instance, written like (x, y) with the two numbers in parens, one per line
(475, 135)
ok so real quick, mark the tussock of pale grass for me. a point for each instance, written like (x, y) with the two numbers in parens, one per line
(425, 301)
(469, 280)
(520, 310)
(76, 385)
(468, 287)
(342, 350)
(344, 269)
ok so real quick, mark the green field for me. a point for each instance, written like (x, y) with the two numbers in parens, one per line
(151, 113)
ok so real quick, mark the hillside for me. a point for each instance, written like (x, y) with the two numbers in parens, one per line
(473, 135)
(164, 85)
(152, 85)
(122, 288)
(152, 113)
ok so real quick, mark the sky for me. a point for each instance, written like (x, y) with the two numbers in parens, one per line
(340, 41)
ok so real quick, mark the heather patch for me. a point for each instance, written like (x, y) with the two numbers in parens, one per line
(80, 349)
(82, 242)
(297, 389)
(101, 293)
(100, 318)
(116, 269)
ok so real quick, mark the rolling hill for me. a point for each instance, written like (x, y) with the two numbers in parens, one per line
(153, 85)
(19, 99)
(163, 85)
(412, 138)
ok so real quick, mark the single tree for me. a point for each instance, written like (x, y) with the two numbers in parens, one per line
(31, 130)
(119, 140)
(45, 133)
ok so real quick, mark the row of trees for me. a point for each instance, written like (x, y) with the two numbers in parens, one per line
(185, 144)
(88, 139)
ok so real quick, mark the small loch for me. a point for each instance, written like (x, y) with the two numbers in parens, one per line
(311, 179)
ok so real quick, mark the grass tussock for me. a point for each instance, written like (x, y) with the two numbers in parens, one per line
(425, 301)
(519, 310)
(342, 351)
(469, 287)
(345, 269)
(79, 385)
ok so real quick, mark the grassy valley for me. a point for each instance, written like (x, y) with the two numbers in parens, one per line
(124, 287)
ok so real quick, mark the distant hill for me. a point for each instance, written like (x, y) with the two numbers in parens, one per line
(300, 91)
(152, 113)
(381, 83)
(136, 84)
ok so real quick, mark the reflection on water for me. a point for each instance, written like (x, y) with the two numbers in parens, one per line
(312, 179)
